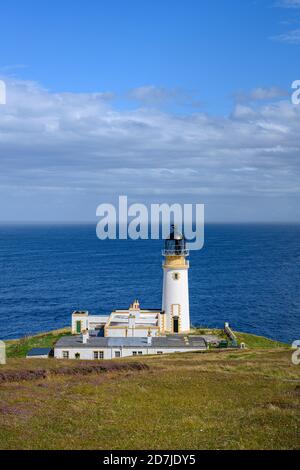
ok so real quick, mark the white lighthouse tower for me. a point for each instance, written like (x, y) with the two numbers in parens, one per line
(175, 298)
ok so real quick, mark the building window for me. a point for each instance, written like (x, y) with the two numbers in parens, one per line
(140, 352)
(159, 352)
(96, 355)
(176, 276)
(101, 354)
(117, 353)
(134, 353)
(65, 354)
(77, 355)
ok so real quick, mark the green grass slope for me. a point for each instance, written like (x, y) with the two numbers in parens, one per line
(20, 347)
(229, 400)
(254, 341)
(235, 399)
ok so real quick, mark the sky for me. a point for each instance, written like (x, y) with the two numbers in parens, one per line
(163, 101)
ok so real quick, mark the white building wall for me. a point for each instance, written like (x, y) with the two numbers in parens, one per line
(131, 332)
(43, 356)
(97, 320)
(115, 332)
(84, 322)
(109, 353)
(88, 322)
(175, 300)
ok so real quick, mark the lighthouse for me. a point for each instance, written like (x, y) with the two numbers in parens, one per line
(175, 297)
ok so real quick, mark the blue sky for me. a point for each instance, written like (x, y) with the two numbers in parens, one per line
(166, 100)
(208, 48)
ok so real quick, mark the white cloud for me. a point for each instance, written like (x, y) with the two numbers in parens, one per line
(261, 94)
(291, 37)
(153, 95)
(289, 3)
(12, 67)
(65, 149)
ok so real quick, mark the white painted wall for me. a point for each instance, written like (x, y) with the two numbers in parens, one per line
(43, 356)
(176, 292)
(84, 322)
(132, 332)
(88, 322)
(109, 353)
(97, 320)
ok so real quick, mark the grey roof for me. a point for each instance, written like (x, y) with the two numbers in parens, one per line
(39, 352)
(170, 341)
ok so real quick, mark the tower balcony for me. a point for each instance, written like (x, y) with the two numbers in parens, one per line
(175, 252)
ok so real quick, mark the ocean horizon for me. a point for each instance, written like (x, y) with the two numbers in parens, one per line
(246, 274)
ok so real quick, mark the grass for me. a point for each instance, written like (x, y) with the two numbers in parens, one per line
(254, 341)
(229, 400)
(208, 331)
(20, 347)
(235, 399)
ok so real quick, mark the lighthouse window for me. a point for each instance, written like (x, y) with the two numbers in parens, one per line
(176, 276)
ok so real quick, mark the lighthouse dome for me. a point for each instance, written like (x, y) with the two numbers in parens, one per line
(175, 244)
(176, 235)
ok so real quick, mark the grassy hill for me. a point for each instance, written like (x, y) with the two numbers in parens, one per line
(235, 399)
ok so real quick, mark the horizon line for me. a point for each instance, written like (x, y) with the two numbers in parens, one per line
(211, 222)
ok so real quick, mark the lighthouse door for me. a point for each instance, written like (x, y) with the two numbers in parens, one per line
(175, 325)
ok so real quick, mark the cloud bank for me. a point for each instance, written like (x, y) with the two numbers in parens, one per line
(61, 154)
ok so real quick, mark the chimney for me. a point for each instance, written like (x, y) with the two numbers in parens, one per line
(85, 336)
(149, 338)
(131, 321)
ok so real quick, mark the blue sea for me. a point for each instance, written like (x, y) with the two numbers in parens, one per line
(245, 274)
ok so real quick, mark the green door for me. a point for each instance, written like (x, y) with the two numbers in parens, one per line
(78, 326)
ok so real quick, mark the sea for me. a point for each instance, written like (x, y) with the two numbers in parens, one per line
(247, 275)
